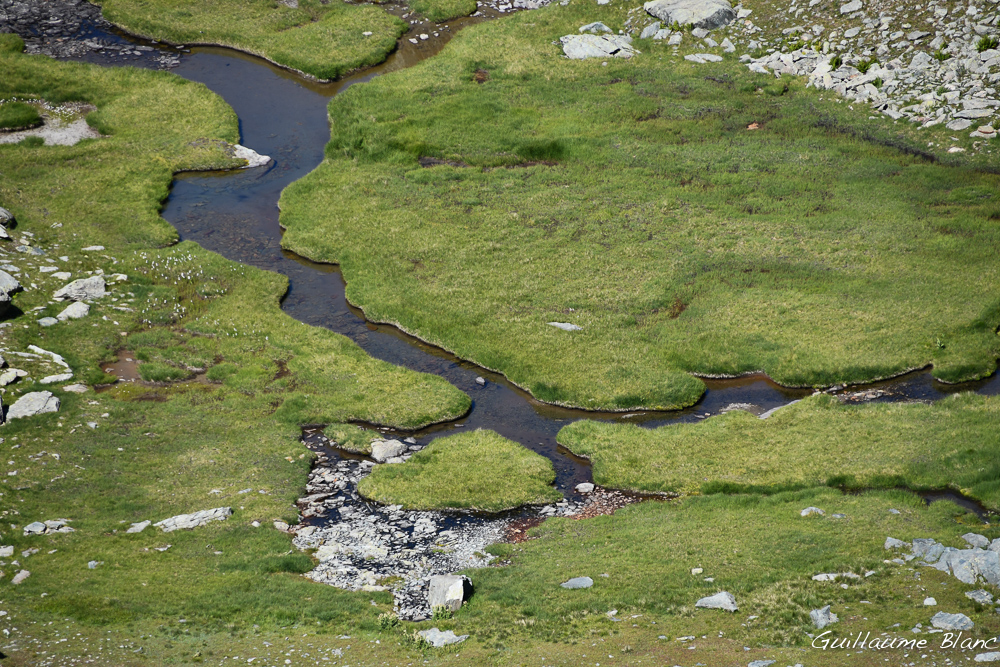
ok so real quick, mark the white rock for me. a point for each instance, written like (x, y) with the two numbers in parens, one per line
(20, 576)
(32, 404)
(53, 379)
(252, 157)
(447, 591)
(138, 527)
(812, 510)
(92, 248)
(851, 7)
(437, 639)
(74, 311)
(721, 600)
(595, 28)
(584, 487)
(76, 388)
(930, 602)
(823, 617)
(194, 520)
(579, 47)
(992, 656)
(83, 289)
(6, 551)
(946, 621)
(383, 450)
(704, 14)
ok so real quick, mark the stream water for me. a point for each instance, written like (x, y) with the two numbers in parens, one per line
(235, 214)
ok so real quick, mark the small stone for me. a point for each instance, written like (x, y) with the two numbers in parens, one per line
(92, 248)
(47, 321)
(437, 639)
(992, 656)
(595, 28)
(823, 617)
(930, 602)
(53, 379)
(696, 571)
(584, 487)
(76, 388)
(980, 596)
(20, 576)
(92, 565)
(578, 582)
(812, 510)
(480, 381)
(851, 7)
(721, 600)
(138, 527)
(281, 525)
(893, 543)
(761, 663)
(74, 311)
(6, 551)
(6, 217)
(35, 528)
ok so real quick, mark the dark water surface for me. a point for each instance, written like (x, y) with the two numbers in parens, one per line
(235, 214)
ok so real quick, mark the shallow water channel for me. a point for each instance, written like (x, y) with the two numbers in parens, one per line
(283, 115)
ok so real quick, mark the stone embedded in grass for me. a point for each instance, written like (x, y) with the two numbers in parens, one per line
(83, 289)
(448, 591)
(53, 379)
(704, 14)
(92, 248)
(578, 582)
(992, 656)
(32, 404)
(721, 600)
(595, 28)
(383, 450)
(74, 311)
(946, 621)
(976, 540)
(9, 283)
(138, 527)
(851, 7)
(580, 47)
(650, 30)
(195, 519)
(893, 543)
(565, 326)
(703, 58)
(809, 511)
(761, 663)
(76, 388)
(437, 639)
(930, 602)
(20, 576)
(6, 217)
(980, 596)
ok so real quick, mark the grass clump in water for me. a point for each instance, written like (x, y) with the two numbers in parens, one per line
(443, 10)
(633, 201)
(18, 116)
(351, 438)
(952, 443)
(318, 38)
(480, 470)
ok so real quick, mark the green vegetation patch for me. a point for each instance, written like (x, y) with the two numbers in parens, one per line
(324, 39)
(479, 470)
(443, 10)
(952, 443)
(631, 200)
(18, 116)
(351, 438)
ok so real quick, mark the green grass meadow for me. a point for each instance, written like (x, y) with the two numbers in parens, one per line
(631, 200)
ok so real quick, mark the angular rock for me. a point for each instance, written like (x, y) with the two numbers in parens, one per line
(595, 28)
(53, 379)
(437, 639)
(578, 582)
(705, 14)
(976, 540)
(6, 551)
(565, 326)
(980, 596)
(35, 528)
(252, 157)
(448, 591)
(383, 450)
(823, 617)
(580, 47)
(893, 543)
(76, 388)
(74, 311)
(945, 621)
(32, 404)
(138, 527)
(9, 284)
(721, 600)
(650, 30)
(83, 289)
(851, 7)
(20, 576)
(194, 520)
(6, 217)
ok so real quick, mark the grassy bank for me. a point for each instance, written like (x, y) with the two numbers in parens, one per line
(633, 201)
(478, 470)
(322, 39)
(952, 443)
(224, 432)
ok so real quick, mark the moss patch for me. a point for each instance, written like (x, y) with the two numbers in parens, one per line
(479, 470)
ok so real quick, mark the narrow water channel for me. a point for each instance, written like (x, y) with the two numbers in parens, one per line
(235, 214)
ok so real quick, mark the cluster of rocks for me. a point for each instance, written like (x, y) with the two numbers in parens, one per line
(75, 29)
(48, 527)
(979, 562)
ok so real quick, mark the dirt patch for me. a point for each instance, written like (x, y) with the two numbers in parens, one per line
(517, 530)
(62, 125)
(436, 162)
(481, 76)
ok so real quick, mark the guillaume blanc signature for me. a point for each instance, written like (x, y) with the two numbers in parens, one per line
(864, 640)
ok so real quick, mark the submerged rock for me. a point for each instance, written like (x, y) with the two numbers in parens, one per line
(580, 47)
(705, 14)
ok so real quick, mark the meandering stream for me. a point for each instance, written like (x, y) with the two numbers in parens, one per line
(235, 214)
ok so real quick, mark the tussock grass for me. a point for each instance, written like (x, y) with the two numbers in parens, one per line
(322, 39)
(632, 200)
(443, 10)
(952, 443)
(18, 116)
(478, 470)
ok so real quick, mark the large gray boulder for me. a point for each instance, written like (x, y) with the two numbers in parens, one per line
(706, 14)
(383, 450)
(8, 283)
(194, 520)
(579, 47)
(83, 289)
(437, 639)
(721, 600)
(945, 621)
(823, 617)
(34, 403)
(448, 591)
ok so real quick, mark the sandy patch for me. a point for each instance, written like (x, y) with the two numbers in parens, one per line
(62, 125)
